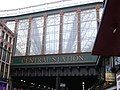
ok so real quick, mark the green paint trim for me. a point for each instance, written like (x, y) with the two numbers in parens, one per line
(54, 59)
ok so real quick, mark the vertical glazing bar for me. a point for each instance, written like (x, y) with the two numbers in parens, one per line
(29, 37)
(78, 31)
(44, 34)
(15, 36)
(98, 15)
(61, 32)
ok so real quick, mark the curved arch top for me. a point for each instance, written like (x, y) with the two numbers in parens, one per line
(45, 7)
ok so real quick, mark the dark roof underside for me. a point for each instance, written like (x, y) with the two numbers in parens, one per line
(108, 39)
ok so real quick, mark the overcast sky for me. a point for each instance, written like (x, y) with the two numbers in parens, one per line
(12, 4)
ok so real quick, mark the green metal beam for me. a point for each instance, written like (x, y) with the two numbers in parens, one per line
(54, 59)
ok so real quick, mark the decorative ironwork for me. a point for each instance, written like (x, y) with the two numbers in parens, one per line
(54, 71)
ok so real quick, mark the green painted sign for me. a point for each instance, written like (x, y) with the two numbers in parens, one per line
(53, 59)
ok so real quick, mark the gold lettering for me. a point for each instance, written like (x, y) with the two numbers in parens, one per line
(77, 58)
(81, 58)
(63, 59)
(74, 58)
(68, 59)
(31, 60)
(35, 60)
(58, 59)
(46, 59)
(53, 59)
(38, 60)
(24, 60)
(43, 59)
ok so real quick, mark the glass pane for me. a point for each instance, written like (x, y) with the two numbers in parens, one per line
(22, 37)
(69, 33)
(11, 25)
(101, 13)
(88, 29)
(52, 34)
(36, 36)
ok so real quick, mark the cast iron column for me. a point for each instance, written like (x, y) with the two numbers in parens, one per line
(29, 37)
(15, 36)
(44, 35)
(78, 31)
(98, 15)
(61, 32)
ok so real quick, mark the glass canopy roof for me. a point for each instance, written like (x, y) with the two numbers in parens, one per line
(38, 6)
(71, 32)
